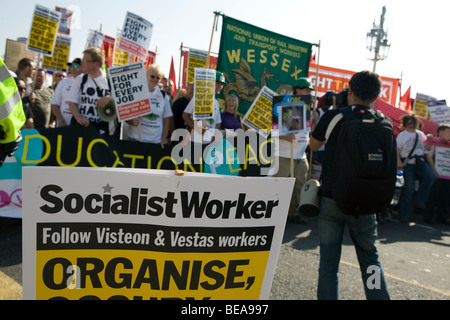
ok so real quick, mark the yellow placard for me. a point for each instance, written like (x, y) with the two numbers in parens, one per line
(421, 108)
(204, 93)
(204, 97)
(120, 57)
(259, 116)
(197, 59)
(60, 56)
(43, 30)
(140, 275)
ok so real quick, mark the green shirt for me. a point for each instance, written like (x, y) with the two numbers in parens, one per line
(41, 108)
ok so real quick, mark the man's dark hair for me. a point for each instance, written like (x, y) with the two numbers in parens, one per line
(366, 85)
(23, 63)
(443, 127)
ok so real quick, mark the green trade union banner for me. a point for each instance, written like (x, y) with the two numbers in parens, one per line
(251, 58)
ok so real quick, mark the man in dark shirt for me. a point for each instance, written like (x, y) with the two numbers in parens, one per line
(364, 88)
(179, 105)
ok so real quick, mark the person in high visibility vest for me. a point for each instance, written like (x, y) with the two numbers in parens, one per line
(12, 116)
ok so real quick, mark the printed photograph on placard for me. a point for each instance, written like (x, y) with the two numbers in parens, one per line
(293, 119)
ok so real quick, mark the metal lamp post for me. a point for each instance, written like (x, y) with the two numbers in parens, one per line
(377, 41)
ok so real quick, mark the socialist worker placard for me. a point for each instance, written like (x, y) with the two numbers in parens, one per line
(99, 233)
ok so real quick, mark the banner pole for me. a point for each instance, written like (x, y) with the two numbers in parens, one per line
(38, 66)
(139, 132)
(210, 42)
(180, 75)
(400, 86)
(58, 47)
(292, 159)
(313, 123)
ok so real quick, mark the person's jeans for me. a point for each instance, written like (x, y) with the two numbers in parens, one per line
(426, 178)
(363, 231)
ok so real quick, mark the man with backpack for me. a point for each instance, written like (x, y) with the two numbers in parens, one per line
(358, 181)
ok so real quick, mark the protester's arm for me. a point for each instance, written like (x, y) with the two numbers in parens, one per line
(288, 137)
(82, 121)
(73, 100)
(57, 113)
(399, 160)
(134, 122)
(319, 137)
(430, 160)
(315, 144)
(187, 118)
(165, 134)
(29, 124)
(56, 102)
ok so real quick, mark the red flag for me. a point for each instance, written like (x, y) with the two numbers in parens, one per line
(405, 100)
(108, 50)
(172, 77)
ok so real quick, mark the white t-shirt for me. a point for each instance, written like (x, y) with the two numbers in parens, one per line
(86, 100)
(151, 125)
(405, 143)
(210, 123)
(60, 98)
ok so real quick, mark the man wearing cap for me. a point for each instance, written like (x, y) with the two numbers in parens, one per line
(60, 107)
(209, 125)
(299, 141)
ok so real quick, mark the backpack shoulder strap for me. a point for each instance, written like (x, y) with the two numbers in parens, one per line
(83, 81)
(345, 112)
(380, 114)
(332, 124)
(382, 117)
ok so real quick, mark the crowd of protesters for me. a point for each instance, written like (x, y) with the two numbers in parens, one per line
(73, 98)
(76, 99)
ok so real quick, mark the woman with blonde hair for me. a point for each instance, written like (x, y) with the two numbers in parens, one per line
(230, 118)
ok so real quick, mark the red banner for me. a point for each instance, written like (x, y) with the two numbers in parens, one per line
(108, 50)
(185, 55)
(150, 59)
(337, 79)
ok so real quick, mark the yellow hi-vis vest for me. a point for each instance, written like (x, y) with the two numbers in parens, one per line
(12, 117)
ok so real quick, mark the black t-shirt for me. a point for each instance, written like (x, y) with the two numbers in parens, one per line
(177, 110)
(331, 146)
(27, 109)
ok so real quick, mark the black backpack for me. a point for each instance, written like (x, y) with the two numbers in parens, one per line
(364, 172)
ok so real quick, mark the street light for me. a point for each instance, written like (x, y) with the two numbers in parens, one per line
(377, 41)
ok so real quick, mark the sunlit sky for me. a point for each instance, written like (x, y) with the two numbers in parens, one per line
(417, 31)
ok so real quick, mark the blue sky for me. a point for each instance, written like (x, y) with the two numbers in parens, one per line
(417, 30)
